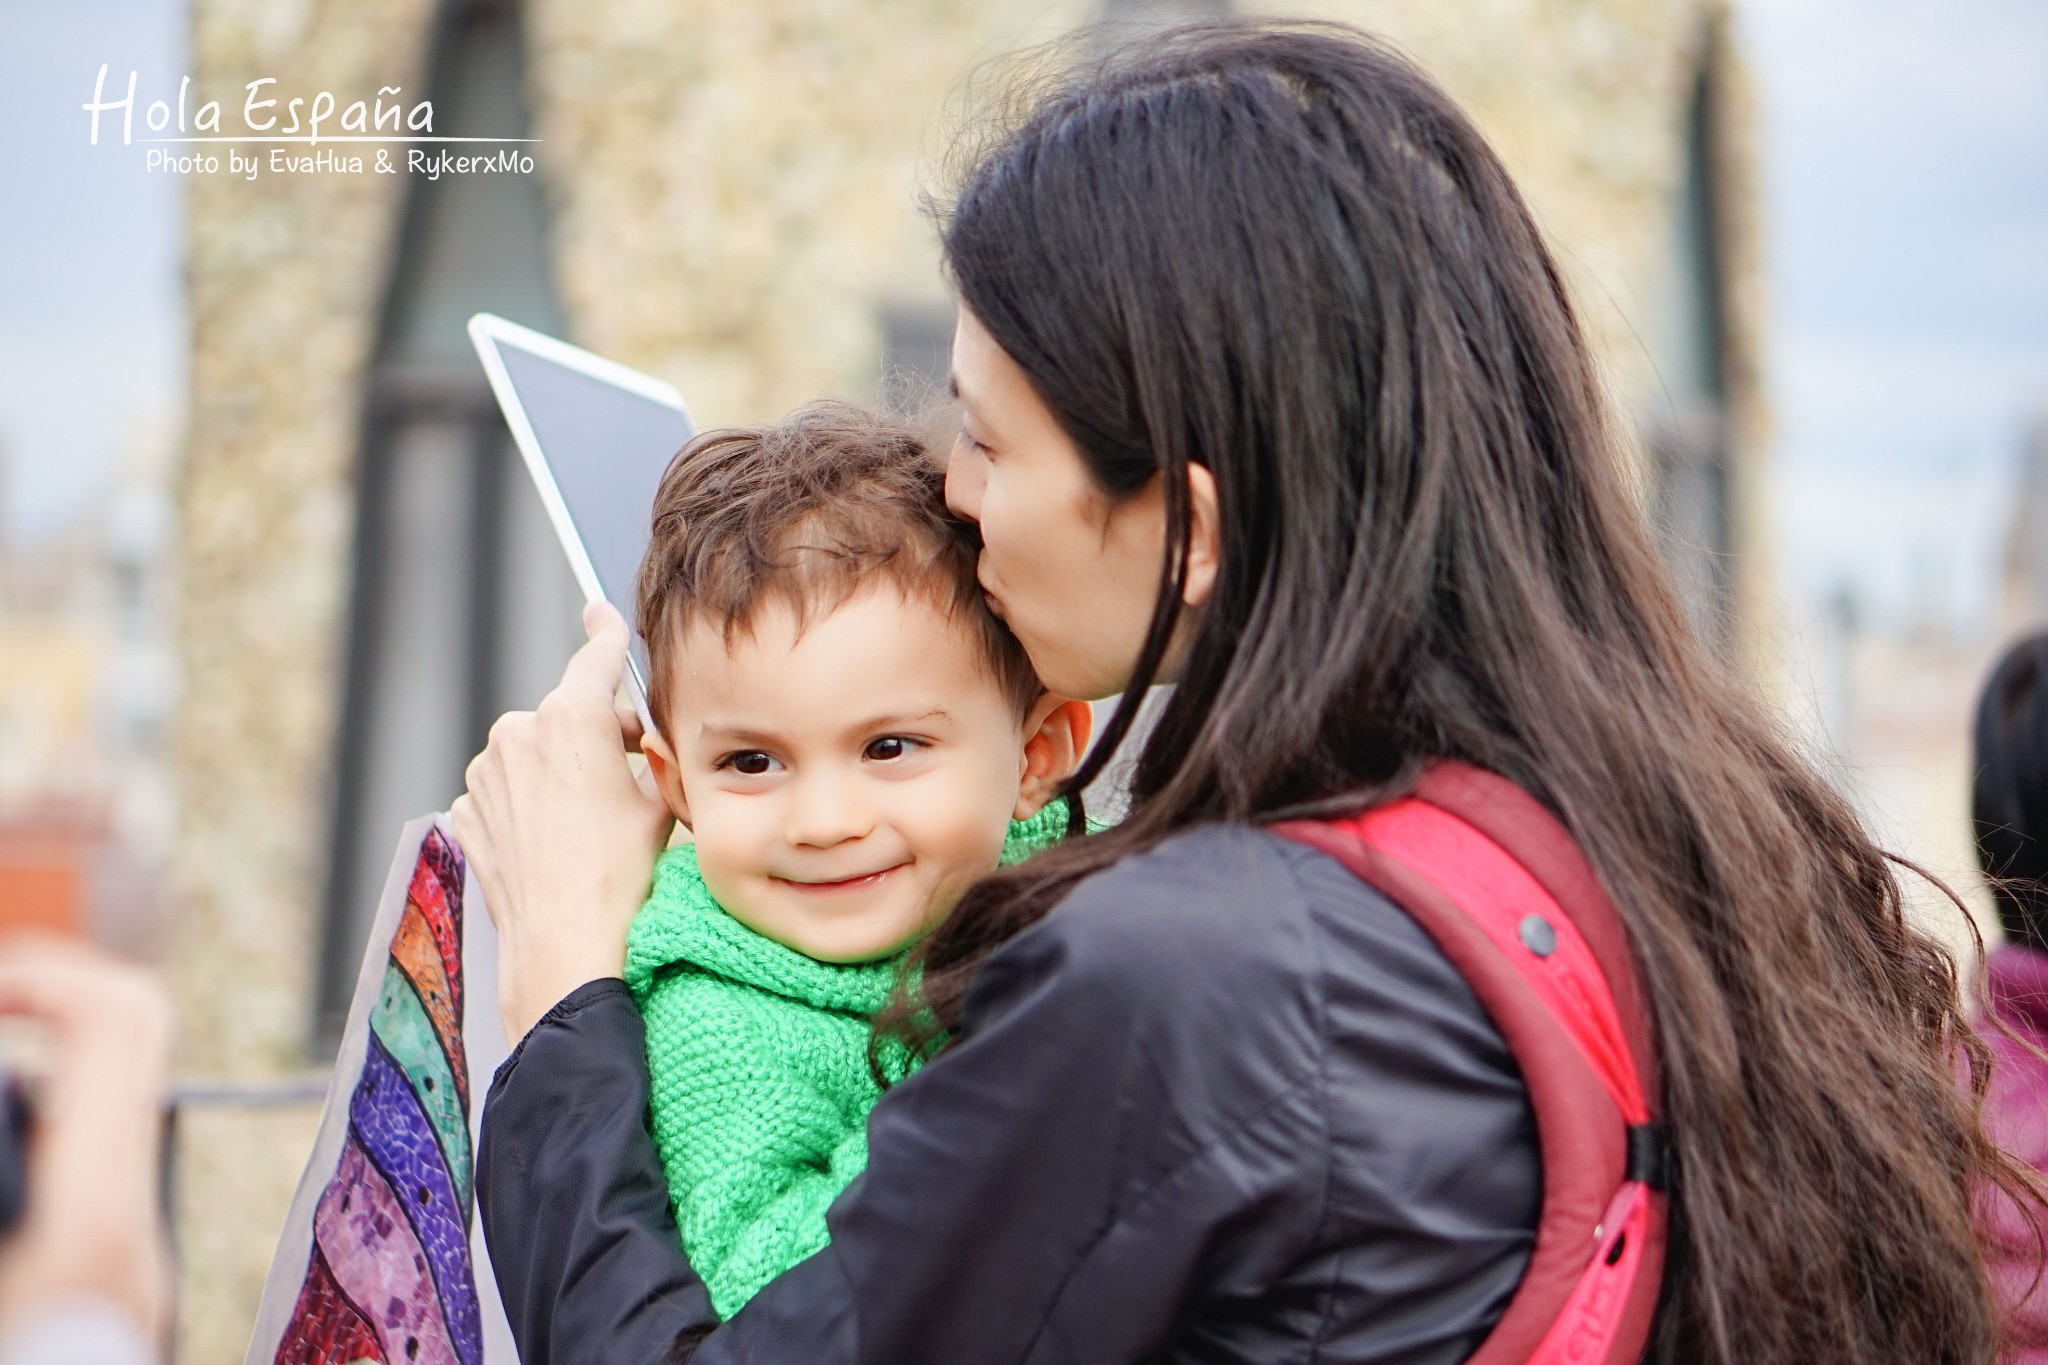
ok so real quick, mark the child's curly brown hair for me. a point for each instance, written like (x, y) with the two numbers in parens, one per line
(810, 509)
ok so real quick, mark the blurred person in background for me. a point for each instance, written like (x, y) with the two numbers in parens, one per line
(2009, 805)
(85, 1274)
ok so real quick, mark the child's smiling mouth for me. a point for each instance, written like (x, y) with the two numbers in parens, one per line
(860, 883)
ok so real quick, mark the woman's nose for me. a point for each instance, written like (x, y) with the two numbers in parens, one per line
(966, 476)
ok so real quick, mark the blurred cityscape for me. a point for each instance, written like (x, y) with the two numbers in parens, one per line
(268, 567)
(87, 679)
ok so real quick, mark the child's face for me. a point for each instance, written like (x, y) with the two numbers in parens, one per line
(846, 786)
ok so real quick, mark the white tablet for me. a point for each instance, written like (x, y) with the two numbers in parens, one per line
(596, 438)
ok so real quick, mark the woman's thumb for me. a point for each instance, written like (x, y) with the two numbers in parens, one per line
(601, 662)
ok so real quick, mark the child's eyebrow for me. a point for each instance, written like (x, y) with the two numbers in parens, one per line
(897, 719)
(736, 732)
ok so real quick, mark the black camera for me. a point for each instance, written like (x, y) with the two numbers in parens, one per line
(16, 1119)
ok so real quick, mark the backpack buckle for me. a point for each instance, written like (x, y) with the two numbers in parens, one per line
(1650, 1156)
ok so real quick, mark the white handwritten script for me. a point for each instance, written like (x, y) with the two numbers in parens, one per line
(270, 113)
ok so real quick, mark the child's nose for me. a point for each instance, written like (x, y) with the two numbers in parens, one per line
(825, 809)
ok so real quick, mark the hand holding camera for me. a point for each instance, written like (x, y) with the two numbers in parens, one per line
(90, 1230)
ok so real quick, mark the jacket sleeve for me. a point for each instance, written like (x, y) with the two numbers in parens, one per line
(570, 1190)
(1056, 1181)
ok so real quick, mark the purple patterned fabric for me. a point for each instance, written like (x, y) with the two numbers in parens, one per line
(368, 1269)
(387, 1119)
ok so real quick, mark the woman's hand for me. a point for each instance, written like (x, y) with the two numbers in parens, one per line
(561, 833)
(92, 1228)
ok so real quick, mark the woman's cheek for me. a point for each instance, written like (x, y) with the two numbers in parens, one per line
(1022, 563)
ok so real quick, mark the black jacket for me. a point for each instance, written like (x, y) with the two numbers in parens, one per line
(1227, 1103)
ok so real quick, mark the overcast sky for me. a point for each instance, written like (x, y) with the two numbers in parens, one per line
(1906, 201)
(91, 339)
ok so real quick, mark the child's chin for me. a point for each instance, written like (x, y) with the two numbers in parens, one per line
(853, 955)
(845, 945)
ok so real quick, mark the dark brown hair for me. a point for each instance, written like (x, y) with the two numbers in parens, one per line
(830, 499)
(1282, 252)
(2009, 792)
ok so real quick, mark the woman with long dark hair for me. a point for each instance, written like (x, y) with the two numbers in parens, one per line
(1273, 391)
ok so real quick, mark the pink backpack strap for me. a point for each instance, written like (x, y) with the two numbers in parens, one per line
(1501, 887)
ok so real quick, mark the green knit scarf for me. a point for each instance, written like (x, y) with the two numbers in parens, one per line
(761, 1083)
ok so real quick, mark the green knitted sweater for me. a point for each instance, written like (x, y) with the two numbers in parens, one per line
(761, 1084)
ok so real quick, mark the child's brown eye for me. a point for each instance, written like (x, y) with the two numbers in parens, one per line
(886, 748)
(753, 764)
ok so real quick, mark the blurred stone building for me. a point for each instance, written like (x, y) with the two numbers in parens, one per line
(725, 196)
(2023, 577)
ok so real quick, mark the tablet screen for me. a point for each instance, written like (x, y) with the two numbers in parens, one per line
(607, 448)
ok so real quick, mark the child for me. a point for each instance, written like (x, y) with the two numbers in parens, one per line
(852, 740)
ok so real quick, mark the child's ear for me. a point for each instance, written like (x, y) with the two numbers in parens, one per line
(1056, 735)
(667, 774)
